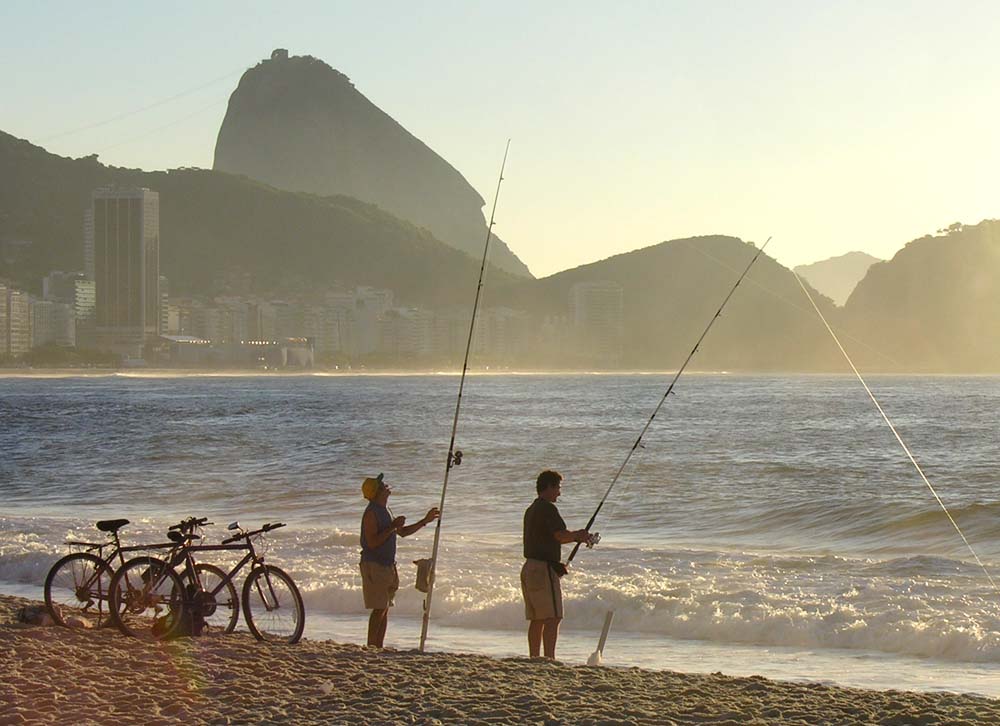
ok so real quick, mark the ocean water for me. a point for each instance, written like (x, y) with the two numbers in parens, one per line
(769, 525)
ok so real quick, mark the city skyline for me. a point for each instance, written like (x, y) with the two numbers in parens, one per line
(832, 129)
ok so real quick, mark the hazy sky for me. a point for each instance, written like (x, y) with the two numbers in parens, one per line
(832, 126)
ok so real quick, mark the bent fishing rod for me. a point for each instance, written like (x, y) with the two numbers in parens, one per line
(670, 388)
(455, 457)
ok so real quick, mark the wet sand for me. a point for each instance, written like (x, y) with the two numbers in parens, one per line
(69, 676)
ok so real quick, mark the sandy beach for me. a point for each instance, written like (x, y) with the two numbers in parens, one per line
(57, 675)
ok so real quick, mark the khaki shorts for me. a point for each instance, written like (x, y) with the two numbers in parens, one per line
(541, 590)
(379, 584)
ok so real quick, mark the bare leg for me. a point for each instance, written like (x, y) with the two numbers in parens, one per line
(377, 622)
(382, 628)
(535, 628)
(550, 633)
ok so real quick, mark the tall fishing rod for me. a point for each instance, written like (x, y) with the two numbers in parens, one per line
(455, 457)
(892, 427)
(663, 400)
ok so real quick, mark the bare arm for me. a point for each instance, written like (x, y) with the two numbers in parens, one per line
(431, 515)
(564, 536)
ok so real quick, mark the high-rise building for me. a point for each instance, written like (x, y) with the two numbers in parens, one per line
(4, 332)
(84, 301)
(406, 332)
(126, 268)
(599, 321)
(52, 322)
(164, 305)
(70, 288)
(15, 322)
(370, 304)
(88, 243)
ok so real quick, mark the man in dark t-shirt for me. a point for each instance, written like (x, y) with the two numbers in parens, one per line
(544, 535)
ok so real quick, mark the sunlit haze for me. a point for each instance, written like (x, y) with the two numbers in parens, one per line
(854, 126)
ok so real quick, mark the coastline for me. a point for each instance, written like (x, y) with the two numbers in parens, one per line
(58, 373)
(58, 675)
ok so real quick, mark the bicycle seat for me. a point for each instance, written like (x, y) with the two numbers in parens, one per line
(179, 537)
(111, 525)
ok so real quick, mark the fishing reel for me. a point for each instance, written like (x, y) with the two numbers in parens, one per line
(593, 540)
(455, 458)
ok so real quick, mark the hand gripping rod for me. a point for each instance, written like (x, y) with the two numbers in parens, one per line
(454, 458)
(670, 389)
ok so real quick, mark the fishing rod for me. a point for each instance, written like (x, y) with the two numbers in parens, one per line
(455, 456)
(663, 400)
(892, 427)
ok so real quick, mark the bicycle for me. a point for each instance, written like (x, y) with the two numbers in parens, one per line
(145, 594)
(157, 602)
(271, 602)
(79, 581)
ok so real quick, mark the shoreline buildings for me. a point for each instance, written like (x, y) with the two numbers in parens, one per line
(15, 322)
(599, 321)
(121, 304)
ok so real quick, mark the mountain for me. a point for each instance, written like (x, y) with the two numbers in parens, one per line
(215, 226)
(296, 123)
(670, 292)
(936, 305)
(837, 277)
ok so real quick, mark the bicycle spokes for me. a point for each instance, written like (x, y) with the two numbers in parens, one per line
(147, 598)
(272, 605)
(77, 587)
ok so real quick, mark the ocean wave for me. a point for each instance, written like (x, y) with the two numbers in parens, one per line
(906, 606)
(917, 605)
(869, 525)
(743, 617)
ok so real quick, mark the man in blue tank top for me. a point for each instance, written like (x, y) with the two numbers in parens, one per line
(379, 578)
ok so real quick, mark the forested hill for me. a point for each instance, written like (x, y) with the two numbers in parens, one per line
(671, 290)
(935, 305)
(214, 226)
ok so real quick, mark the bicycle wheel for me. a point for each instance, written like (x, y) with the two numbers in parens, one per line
(218, 601)
(77, 585)
(273, 606)
(146, 599)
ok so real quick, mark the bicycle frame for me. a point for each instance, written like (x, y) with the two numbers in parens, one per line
(117, 551)
(191, 573)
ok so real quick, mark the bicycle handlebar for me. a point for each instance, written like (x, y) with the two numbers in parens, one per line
(246, 535)
(186, 525)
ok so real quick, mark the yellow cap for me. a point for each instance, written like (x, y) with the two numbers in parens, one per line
(371, 486)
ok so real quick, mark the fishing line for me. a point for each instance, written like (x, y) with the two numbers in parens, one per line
(133, 112)
(455, 457)
(895, 433)
(623, 490)
(787, 302)
(145, 134)
(670, 388)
